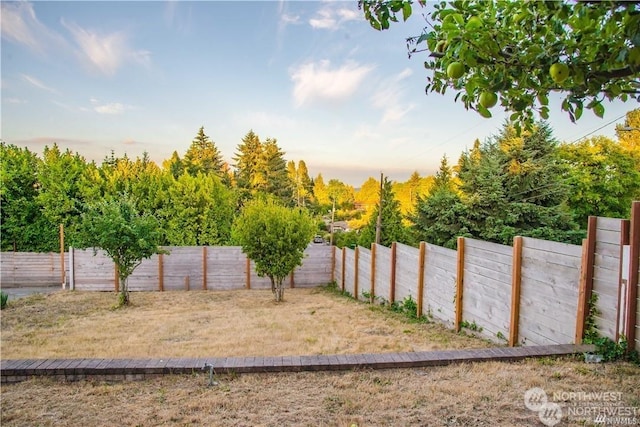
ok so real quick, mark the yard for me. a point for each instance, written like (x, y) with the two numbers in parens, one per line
(310, 321)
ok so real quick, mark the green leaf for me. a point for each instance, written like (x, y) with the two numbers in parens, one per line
(406, 11)
(484, 112)
(598, 109)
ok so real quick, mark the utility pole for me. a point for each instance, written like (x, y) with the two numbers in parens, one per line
(333, 213)
(379, 221)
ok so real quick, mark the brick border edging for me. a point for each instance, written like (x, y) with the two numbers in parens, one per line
(17, 370)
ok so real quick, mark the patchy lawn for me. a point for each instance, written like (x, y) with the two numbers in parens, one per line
(211, 324)
(310, 321)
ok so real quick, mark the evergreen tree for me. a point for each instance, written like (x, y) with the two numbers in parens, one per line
(174, 165)
(248, 165)
(320, 192)
(273, 172)
(203, 156)
(513, 185)
(440, 217)
(392, 229)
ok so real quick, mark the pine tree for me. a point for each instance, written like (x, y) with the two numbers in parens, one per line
(392, 229)
(203, 156)
(248, 160)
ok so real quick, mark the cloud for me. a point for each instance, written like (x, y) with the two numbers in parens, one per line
(20, 24)
(388, 97)
(37, 83)
(15, 101)
(111, 108)
(329, 18)
(105, 52)
(319, 81)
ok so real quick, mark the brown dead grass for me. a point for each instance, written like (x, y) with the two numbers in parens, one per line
(487, 394)
(211, 324)
(311, 321)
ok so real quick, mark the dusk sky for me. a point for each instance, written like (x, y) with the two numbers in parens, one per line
(145, 76)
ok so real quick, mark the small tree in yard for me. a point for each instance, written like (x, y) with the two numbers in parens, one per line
(126, 236)
(275, 238)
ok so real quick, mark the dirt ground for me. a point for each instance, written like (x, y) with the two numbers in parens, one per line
(311, 321)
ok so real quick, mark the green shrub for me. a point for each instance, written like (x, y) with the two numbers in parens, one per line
(3, 300)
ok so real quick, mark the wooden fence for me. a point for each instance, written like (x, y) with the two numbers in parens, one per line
(213, 268)
(535, 292)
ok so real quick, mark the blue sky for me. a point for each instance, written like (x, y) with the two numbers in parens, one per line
(144, 76)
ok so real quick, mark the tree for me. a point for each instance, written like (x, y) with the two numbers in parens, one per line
(629, 133)
(519, 52)
(275, 238)
(203, 156)
(199, 210)
(248, 159)
(514, 185)
(23, 226)
(127, 237)
(320, 192)
(440, 217)
(300, 182)
(60, 176)
(391, 229)
(604, 178)
(273, 172)
(174, 165)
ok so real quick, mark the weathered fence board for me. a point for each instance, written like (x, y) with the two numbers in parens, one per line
(350, 276)
(26, 269)
(364, 273)
(487, 287)
(226, 268)
(383, 272)
(406, 272)
(549, 292)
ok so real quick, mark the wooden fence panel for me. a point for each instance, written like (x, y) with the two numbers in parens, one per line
(145, 276)
(339, 267)
(28, 269)
(316, 267)
(383, 272)
(487, 287)
(406, 272)
(226, 268)
(440, 283)
(182, 268)
(606, 274)
(93, 273)
(549, 292)
(364, 273)
(350, 276)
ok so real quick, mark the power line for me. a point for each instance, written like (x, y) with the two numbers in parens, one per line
(601, 127)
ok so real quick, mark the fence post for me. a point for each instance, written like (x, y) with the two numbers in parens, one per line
(459, 283)
(248, 263)
(204, 268)
(392, 285)
(373, 273)
(625, 231)
(516, 280)
(62, 278)
(586, 278)
(333, 264)
(72, 272)
(291, 280)
(355, 281)
(161, 272)
(421, 260)
(344, 268)
(632, 286)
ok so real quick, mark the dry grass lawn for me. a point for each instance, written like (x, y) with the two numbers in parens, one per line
(245, 323)
(211, 324)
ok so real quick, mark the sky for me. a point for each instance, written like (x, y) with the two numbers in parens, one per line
(145, 76)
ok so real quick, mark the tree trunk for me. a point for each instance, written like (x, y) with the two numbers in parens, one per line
(279, 291)
(273, 284)
(123, 294)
